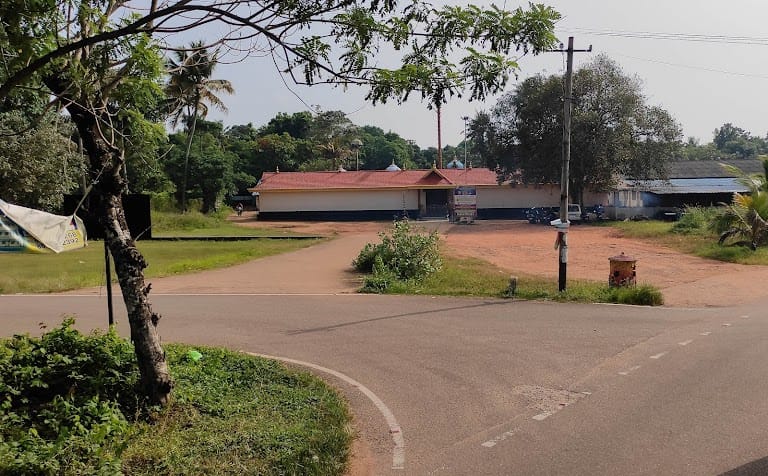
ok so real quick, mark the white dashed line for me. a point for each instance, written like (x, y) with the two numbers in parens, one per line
(685, 342)
(659, 355)
(542, 416)
(398, 452)
(632, 369)
(745, 317)
(500, 438)
(705, 333)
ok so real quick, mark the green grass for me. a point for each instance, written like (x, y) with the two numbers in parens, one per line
(236, 414)
(475, 277)
(166, 224)
(28, 273)
(695, 241)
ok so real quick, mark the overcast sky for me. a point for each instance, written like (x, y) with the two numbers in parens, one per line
(703, 84)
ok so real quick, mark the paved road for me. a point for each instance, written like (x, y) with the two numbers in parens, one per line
(501, 387)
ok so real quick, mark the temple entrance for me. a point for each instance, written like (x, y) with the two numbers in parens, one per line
(436, 203)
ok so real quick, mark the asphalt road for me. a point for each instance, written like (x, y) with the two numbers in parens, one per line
(496, 387)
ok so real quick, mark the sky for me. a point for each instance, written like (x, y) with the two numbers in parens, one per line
(702, 84)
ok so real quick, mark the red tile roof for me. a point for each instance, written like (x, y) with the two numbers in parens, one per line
(374, 179)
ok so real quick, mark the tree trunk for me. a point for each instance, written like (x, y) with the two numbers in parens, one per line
(190, 133)
(105, 162)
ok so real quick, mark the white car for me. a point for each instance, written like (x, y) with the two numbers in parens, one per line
(574, 213)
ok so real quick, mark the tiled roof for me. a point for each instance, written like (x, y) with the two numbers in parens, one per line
(374, 179)
(711, 168)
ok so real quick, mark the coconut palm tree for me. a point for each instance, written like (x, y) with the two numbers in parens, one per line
(746, 216)
(190, 91)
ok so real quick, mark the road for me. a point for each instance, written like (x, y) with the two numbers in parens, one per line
(476, 386)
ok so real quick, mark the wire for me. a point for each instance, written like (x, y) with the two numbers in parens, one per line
(700, 68)
(650, 35)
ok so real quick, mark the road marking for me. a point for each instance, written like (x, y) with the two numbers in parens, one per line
(491, 443)
(542, 416)
(745, 316)
(685, 342)
(705, 333)
(398, 452)
(632, 369)
(659, 355)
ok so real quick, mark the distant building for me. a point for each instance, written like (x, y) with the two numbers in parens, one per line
(690, 183)
(384, 194)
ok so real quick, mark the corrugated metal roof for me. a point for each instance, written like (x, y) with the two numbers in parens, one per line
(373, 179)
(711, 168)
(689, 185)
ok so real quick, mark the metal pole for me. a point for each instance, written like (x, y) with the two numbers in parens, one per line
(466, 118)
(109, 284)
(562, 234)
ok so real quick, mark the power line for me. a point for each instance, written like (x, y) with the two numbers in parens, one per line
(652, 35)
(700, 68)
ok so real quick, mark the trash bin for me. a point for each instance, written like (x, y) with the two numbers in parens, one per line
(623, 271)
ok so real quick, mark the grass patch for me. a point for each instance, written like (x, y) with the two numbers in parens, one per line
(236, 414)
(27, 273)
(69, 407)
(475, 277)
(691, 239)
(197, 224)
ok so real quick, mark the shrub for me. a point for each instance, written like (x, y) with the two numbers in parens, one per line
(694, 220)
(64, 397)
(645, 295)
(404, 254)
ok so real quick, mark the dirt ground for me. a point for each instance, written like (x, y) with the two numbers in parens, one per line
(520, 247)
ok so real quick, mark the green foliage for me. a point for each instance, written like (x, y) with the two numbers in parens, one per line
(38, 161)
(403, 254)
(745, 219)
(64, 397)
(237, 414)
(644, 295)
(694, 220)
(614, 132)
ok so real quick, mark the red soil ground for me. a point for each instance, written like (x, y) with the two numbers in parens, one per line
(519, 247)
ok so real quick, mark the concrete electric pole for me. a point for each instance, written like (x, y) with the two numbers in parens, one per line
(562, 227)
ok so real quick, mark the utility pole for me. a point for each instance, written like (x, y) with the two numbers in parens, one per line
(439, 139)
(465, 118)
(562, 227)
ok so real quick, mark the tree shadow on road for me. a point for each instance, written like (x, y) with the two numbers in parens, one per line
(758, 467)
(394, 316)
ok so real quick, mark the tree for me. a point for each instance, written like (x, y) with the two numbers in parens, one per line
(38, 163)
(747, 215)
(190, 89)
(208, 165)
(613, 131)
(84, 52)
(732, 141)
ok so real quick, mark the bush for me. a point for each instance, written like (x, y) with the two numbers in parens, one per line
(694, 220)
(403, 255)
(64, 397)
(645, 295)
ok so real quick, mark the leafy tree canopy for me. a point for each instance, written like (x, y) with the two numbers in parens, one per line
(613, 131)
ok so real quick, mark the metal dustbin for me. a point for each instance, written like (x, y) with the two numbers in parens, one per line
(622, 271)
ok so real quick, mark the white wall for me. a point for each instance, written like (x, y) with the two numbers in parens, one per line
(338, 200)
